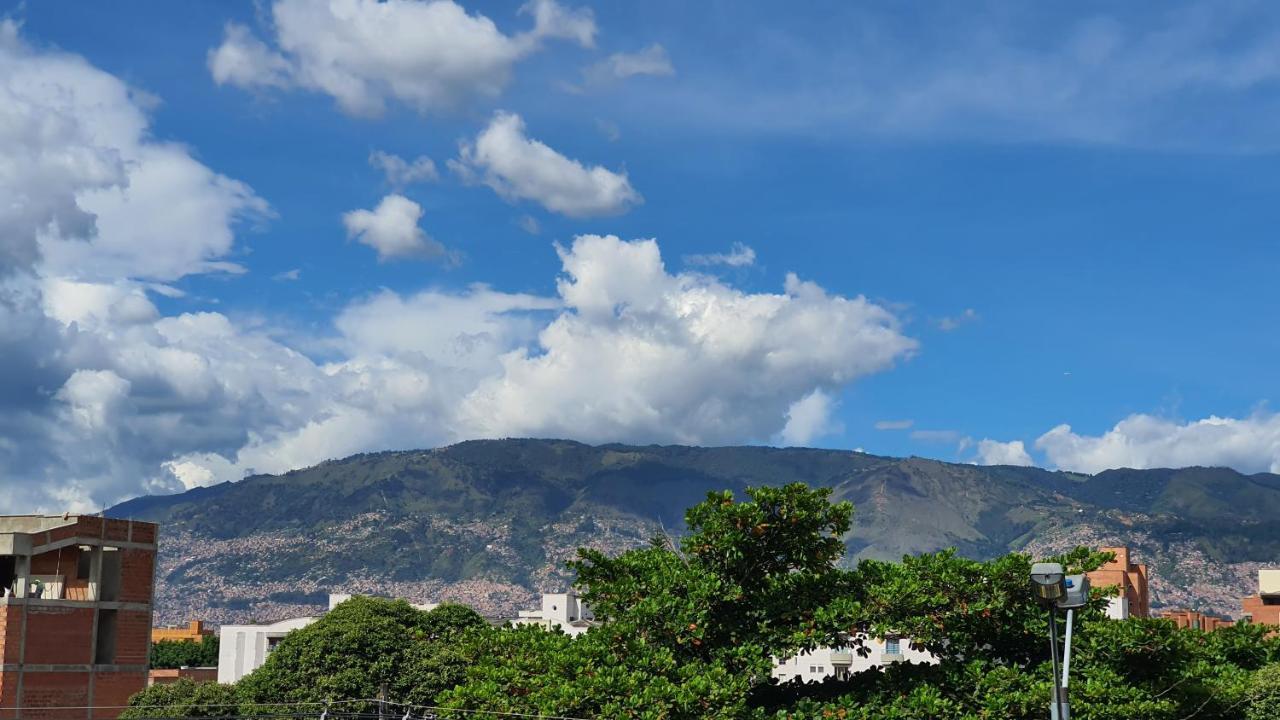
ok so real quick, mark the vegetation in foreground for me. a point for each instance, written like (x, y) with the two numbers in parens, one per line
(692, 627)
(185, 653)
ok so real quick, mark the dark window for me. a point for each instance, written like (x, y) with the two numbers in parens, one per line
(105, 654)
(84, 564)
(8, 573)
(110, 584)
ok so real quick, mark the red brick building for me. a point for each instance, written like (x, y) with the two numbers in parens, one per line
(1196, 620)
(1134, 599)
(75, 618)
(1264, 608)
(166, 676)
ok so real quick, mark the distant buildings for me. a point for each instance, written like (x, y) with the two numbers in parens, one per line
(75, 616)
(1191, 619)
(1134, 599)
(1264, 608)
(841, 662)
(194, 631)
(165, 676)
(564, 611)
(244, 648)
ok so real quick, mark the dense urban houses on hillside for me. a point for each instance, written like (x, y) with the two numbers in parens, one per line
(1134, 599)
(75, 619)
(1264, 608)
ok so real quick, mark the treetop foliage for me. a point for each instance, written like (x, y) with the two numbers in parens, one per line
(691, 629)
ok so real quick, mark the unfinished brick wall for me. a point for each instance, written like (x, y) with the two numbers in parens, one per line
(137, 570)
(133, 637)
(113, 689)
(8, 695)
(10, 633)
(66, 691)
(59, 635)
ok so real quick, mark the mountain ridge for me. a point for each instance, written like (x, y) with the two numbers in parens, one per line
(489, 522)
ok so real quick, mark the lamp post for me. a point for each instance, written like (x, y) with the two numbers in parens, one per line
(1056, 590)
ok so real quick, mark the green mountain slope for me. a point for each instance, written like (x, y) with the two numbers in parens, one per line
(491, 522)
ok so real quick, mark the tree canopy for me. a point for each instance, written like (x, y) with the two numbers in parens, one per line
(691, 628)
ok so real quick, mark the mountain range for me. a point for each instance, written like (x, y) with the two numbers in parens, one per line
(491, 522)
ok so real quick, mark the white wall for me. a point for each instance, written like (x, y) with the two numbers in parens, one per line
(827, 662)
(244, 648)
(1118, 608)
(564, 611)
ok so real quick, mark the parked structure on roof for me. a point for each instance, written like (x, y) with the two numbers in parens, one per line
(194, 631)
(1134, 599)
(1264, 608)
(75, 616)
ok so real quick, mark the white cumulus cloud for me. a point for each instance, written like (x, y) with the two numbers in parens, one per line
(392, 229)
(808, 419)
(400, 172)
(428, 54)
(994, 452)
(646, 355)
(1250, 444)
(520, 168)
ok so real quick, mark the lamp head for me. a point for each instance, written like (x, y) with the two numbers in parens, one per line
(1049, 582)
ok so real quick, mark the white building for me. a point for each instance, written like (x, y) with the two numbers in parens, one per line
(564, 611)
(842, 662)
(244, 648)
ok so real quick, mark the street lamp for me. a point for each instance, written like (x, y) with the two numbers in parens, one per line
(1055, 590)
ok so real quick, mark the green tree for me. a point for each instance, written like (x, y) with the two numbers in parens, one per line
(1264, 694)
(362, 645)
(691, 629)
(184, 699)
(185, 653)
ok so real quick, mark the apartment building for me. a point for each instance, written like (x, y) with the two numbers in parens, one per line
(244, 648)
(1196, 620)
(1134, 599)
(841, 662)
(1264, 608)
(563, 611)
(75, 616)
(194, 631)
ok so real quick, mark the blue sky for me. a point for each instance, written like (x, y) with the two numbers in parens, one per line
(1055, 216)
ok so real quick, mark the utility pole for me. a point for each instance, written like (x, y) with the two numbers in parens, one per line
(382, 702)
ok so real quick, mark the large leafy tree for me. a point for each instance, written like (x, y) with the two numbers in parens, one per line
(184, 699)
(363, 646)
(691, 628)
(185, 653)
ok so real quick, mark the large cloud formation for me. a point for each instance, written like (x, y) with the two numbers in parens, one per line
(104, 396)
(1249, 444)
(428, 54)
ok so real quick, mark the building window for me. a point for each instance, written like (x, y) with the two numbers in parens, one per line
(105, 650)
(110, 586)
(891, 647)
(84, 563)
